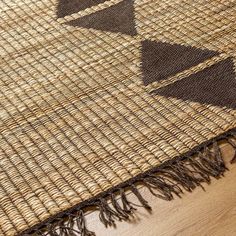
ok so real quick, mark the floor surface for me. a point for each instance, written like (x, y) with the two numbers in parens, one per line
(201, 213)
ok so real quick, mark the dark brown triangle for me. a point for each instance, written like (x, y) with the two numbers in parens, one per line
(68, 7)
(214, 85)
(162, 60)
(117, 18)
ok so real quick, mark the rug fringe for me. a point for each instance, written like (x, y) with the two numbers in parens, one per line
(165, 182)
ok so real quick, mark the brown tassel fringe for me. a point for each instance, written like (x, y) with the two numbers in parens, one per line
(171, 178)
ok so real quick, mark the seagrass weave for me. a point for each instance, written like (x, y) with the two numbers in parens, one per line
(99, 95)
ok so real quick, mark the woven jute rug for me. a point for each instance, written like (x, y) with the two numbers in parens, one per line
(100, 96)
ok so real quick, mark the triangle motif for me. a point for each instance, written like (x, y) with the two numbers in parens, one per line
(117, 18)
(161, 60)
(215, 85)
(68, 7)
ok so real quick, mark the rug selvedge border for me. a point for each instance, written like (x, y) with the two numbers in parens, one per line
(185, 172)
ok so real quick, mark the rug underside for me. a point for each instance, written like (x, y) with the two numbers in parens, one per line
(100, 96)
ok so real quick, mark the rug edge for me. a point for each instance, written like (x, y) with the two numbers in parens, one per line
(167, 179)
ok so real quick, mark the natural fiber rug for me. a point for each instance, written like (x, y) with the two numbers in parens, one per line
(97, 96)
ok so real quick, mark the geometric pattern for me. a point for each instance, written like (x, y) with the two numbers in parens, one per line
(75, 97)
(66, 7)
(160, 60)
(214, 85)
(117, 18)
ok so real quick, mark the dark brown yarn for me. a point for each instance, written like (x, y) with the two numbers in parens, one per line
(186, 172)
(208, 86)
(233, 144)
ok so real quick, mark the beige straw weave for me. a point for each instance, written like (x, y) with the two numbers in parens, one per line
(86, 107)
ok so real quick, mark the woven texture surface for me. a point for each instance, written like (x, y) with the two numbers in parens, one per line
(94, 93)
